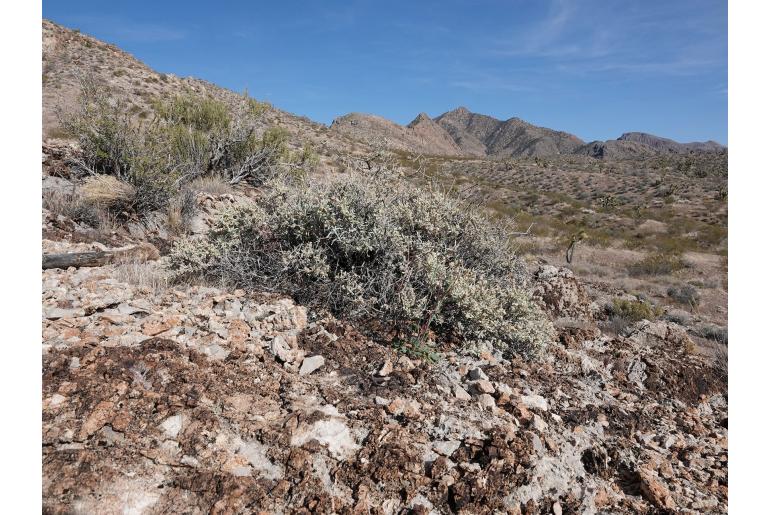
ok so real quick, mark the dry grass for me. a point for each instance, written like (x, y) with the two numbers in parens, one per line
(106, 192)
(656, 264)
(721, 360)
(148, 275)
(59, 202)
(211, 184)
(180, 212)
(72, 206)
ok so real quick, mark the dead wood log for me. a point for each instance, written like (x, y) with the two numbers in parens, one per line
(138, 253)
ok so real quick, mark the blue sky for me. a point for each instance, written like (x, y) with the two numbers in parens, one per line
(593, 68)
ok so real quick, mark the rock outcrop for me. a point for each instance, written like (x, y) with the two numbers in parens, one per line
(196, 399)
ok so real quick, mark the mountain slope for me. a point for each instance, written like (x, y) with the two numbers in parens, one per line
(669, 145)
(422, 135)
(509, 138)
(459, 133)
(616, 149)
(69, 55)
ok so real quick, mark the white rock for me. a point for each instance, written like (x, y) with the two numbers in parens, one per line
(405, 363)
(128, 309)
(539, 424)
(190, 461)
(535, 402)
(503, 388)
(172, 425)
(56, 399)
(487, 401)
(421, 500)
(255, 453)
(461, 394)
(281, 349)
(331, 432)
(311, 364)
(215, 351)
(386, 370)
(446, 448)
(52, 313)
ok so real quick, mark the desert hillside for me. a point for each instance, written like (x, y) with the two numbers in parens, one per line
(245, 311)
(68, 56)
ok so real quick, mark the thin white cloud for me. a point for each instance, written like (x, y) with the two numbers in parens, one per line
(628, 37)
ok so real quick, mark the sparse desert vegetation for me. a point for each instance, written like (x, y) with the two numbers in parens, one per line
(337, 319)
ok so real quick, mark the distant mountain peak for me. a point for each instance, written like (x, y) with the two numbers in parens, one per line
(421, 118)
(483, 135)
(668, 145)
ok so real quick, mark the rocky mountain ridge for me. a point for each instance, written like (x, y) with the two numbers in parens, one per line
(509, 138)
(479, 135)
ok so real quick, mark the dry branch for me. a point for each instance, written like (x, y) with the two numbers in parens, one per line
(138, 253)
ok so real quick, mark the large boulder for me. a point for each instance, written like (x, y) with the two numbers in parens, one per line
(561, 294)
(660, 333)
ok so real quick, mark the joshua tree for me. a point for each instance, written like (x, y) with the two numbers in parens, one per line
(576, 238)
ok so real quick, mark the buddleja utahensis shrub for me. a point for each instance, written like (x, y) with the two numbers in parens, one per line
(369, 248)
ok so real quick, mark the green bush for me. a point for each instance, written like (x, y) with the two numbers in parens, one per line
(189, 137)
(685, 294)
(196, 113)
(656, 264)
(713, 332)
(370, 248)
(633, 310)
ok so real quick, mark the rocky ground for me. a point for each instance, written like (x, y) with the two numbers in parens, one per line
(193, 399)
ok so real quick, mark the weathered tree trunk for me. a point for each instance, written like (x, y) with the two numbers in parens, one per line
(76, 259)
(140, 253)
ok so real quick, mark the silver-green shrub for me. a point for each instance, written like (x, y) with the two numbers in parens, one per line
(370, 248)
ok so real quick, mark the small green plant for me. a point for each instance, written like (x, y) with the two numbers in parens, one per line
(713, 332)
(308, 157)
(609, 202)
(415, 347)
(193, 112)
(634, 310)
(656, 264)
(722, 193)
(685, 294)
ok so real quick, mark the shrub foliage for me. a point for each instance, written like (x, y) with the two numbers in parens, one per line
(656, 264)
(685, 294)
(633, 310)
(189, 136)
(370, 248)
